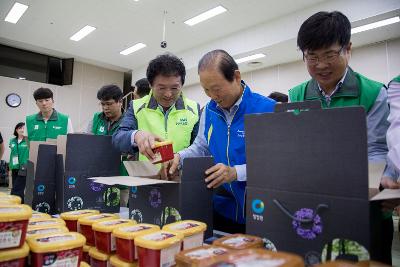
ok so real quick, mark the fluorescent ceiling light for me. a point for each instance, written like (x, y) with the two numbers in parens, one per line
(132, 49)
(21, 78)
(82, 33)
(16, 12)
(248, 58)
(206, 15)
(374, 25)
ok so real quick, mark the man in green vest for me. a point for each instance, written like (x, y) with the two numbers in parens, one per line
(107, 121)
(164, 114)
(324, 40)
(48, 123)
(141, 88)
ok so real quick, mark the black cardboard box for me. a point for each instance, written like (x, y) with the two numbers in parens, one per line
(307, 177)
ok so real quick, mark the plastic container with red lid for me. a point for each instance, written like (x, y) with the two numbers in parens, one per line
(56, 249)
(46, 230)
(124, 239)
(103, 238)
(98, 258)
(239, 241)
(85, 253)
(115, 261)
(193, 232)
(158, 249)
(71, 218)
(13, 225)
(258, 257)
(85, 225)
(14, 257)
(200, 256)
(163, 152)
(43, 222)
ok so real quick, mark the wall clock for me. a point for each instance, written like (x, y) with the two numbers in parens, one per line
(13, 100)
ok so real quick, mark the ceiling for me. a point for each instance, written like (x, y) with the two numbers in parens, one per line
(249, 26)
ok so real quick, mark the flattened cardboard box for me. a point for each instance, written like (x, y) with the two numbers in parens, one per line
(307, 177)
(82, 156)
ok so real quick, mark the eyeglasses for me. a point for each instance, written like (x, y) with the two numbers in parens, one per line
(328, 58)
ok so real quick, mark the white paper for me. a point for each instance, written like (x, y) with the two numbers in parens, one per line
(129, 180)
(387, 194)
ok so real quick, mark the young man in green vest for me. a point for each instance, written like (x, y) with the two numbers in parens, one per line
(164, 114)
(48, 123)
(107, 121)
(141, 89)
(324, 39)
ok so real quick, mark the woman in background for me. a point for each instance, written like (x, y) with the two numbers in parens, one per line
(19, 155)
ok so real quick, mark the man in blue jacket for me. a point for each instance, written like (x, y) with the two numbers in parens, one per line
(221, 134)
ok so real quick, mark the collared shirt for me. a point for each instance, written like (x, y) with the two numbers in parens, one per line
(337, 87)
(393, 133)
(199, 147)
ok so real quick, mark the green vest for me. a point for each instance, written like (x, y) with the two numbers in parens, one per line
(176, 127)
(397, 79)
(356, 90)
(19, 153)
(100, 125)
(38, 130)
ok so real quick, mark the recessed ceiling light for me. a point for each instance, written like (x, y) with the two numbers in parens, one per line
(16, 12)
(375, 25)
(206, 15)
(132, 49)
(82, 33)
(248, 58)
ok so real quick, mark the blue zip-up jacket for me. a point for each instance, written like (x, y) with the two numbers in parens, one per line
(226, 144)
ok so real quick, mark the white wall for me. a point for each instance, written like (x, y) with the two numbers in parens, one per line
(78, 100)
(380, 62)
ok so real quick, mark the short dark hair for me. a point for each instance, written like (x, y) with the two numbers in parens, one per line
(166, 65)
(108, 92)
(324, 29)
(279, 97)
(42, 93)
(142, 87)
(19, 125)
(222, 61)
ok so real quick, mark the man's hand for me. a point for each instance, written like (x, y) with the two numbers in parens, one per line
(145, 142)
(219, 174)
(172, 166)
(388, 183)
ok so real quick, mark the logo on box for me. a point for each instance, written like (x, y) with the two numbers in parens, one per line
(71, 182)
(257, 207)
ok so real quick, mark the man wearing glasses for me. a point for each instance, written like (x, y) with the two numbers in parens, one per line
(324, 39)
(107, 121)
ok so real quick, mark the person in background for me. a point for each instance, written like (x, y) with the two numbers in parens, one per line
(47, 123)
(393, 133)
(221, 134)
(165, 113)
(142, 88)
(279, 97)
(107, 121)
(324, 39)
(19, 154)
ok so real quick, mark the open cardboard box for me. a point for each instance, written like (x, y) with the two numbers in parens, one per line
(307, 181)
(161, 202)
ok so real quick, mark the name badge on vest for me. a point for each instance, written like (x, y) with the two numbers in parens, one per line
(36, 127)
(57, 127)
(15, 160)
(101, 129)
